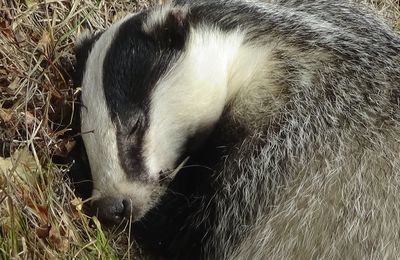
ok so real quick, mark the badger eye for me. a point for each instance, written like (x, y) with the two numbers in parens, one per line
(136, 126)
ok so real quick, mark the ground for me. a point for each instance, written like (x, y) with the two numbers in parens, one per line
(40, 216)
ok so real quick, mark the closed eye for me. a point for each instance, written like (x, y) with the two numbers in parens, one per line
(136, 126)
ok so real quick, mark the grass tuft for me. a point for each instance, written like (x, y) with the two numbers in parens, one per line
(40, 217)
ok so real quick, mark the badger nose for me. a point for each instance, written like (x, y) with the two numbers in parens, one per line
(112, 210)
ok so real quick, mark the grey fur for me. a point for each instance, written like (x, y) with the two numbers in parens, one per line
(314, 172)
(325, 181)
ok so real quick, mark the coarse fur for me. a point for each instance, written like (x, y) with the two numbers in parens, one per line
(289, 112)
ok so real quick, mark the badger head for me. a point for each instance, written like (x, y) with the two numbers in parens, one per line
(144, 97)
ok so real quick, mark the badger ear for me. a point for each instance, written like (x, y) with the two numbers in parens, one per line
(83, 46)
(168, 26)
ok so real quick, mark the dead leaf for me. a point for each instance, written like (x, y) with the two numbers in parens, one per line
(15, 84)
(6, 164)
(30, 3)
(2, 180)
(42, 212)
(5, 28)
(21, 164)
(20, 36)
(45, 42)
(30, 119)
(76, 208)
(6, 115)
(65, 147)
(77, 203)
(43, 231)
(27, 197)
(60, 243)
(3, 71)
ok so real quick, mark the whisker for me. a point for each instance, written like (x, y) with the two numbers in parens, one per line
(169, 176)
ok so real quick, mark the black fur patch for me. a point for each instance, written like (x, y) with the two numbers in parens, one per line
(173, 31)
(132, 67)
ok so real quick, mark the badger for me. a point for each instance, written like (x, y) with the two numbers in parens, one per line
(236, 129)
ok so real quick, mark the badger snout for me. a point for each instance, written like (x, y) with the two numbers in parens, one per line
(112, 211)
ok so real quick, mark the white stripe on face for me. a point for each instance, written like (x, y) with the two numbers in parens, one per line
(101, 142)
(109, 178)
(190, 97)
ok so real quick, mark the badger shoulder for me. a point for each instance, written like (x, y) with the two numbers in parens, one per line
(316, 165)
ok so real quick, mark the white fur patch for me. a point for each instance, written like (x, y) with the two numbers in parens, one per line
(84, 35)
(157, 17)
(194, 93)
(101, 144)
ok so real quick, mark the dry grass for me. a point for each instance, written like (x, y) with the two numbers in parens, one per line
(390, 9)
(39, 215)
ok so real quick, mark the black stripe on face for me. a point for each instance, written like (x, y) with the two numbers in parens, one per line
(133, 65)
